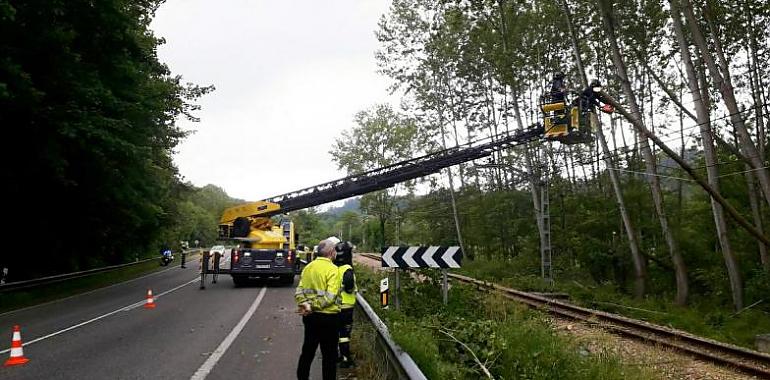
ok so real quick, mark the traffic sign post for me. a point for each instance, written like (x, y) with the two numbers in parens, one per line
(444, 286)
(384, 293)
(398, 289)
(423, 257)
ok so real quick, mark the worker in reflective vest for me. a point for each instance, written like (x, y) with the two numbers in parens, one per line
(317, 300)
(347, 296)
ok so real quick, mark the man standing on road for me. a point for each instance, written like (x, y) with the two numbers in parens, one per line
(347, 278)
(316, 297)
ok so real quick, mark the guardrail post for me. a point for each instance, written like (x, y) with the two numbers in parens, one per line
(444, 286)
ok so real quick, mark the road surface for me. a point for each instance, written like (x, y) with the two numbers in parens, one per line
(222, 332)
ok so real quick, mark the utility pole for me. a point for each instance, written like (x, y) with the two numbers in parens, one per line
(398, 230)
(545, 222)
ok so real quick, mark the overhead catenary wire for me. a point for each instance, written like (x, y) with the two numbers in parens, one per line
(627, 147)
(618, 150)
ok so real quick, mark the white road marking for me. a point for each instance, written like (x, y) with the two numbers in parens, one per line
(81, 324)
(95, 290)
(209, 364)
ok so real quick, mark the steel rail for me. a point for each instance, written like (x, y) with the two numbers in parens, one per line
(742, 359)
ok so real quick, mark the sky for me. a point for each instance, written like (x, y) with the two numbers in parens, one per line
(289, 77)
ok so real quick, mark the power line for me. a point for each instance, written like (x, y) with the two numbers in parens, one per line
(650, 174)
(618, 149)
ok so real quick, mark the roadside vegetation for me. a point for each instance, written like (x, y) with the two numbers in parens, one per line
(704, 316)
(94, 114)
(370, 363)
(477, 332)
(630, 230)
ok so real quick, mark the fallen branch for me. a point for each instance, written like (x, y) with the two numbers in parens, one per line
(629, 307)
(746, 308)
(580, 285)
(475, 358)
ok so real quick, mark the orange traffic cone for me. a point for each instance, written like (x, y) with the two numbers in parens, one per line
(150, 304)
(17, 353)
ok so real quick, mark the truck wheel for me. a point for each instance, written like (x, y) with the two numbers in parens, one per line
(239, 281)
(287, 279)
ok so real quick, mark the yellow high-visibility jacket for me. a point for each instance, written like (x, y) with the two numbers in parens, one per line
(348, 299)
(319, 285)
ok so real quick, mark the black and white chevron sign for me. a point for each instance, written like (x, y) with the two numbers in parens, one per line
(422, 257)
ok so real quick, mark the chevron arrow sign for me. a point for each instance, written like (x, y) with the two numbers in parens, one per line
(422, 257)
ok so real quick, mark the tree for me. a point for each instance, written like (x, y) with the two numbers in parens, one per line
(94, 113)
(382, 137)
(650, 161)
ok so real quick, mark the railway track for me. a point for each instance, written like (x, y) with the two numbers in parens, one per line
(742, 359)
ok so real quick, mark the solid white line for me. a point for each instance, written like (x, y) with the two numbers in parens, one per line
(209, 364)
(125, 308)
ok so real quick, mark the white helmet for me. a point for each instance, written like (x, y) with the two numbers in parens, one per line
(333, 239)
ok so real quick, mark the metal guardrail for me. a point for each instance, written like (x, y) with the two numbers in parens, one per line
(398, 360)
(16, 285)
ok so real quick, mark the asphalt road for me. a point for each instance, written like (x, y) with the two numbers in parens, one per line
(222, 332)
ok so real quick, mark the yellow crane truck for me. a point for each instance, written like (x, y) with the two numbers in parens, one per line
(263, 248)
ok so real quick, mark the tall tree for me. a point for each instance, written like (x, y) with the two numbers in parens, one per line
(382, 137)
(94, 113)
(720, 74)
(640, 267)
(712, 171)
(650, 161)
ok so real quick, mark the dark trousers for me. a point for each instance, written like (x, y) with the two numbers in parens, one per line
(345, 328)
(320, 329)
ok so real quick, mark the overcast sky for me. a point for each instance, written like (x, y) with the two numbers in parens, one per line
(289, 77)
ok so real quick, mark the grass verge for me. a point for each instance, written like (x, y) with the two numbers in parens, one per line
(370, 363)
(476, 331)
(17, 299)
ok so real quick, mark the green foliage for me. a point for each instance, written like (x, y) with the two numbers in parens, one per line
(93, 113)
(706, 316)
(381, 138)
(312, 227)
(511, 341)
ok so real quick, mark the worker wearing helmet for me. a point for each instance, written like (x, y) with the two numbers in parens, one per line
(347, 296)
(558, 89)
(591, 98)
(317, 300)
